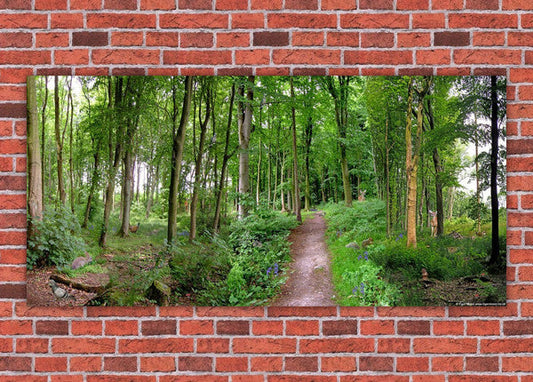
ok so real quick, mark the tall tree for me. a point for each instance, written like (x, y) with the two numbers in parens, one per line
(245, 130)
(35, 190)
(178, 141)
(296, 183)
(494, 135)
(59, 143)
(43, 135)
(340, 94)
(413, 153)
(206, 93)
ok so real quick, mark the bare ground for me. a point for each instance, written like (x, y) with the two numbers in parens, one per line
(309, 282)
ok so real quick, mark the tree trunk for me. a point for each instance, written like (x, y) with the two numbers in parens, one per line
(411, 175)
(296, 183)
(438, 183)
(43, 138)
(59, 144)
(387, 179)
(245, 125)
(494, 135)
(225, 159)
(178, 141)
(35, 190)
(207, 92)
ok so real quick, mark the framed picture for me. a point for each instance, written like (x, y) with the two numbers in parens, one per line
(276, 191)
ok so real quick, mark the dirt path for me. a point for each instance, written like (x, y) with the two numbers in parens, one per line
(309, 281)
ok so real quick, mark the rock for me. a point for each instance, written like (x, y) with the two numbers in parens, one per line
(353, 245)
(159, 292)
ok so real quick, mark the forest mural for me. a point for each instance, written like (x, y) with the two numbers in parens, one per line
(216, 191)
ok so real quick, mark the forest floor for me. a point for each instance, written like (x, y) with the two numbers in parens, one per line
(309, 282)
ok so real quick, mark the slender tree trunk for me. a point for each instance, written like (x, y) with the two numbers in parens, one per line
(438, 182)
(198, 165)
(59, 144)
(220, 189)
(71, 141)
(411, 175)
(35, 190)
(494, 135)
(387, 178)
(43, 138)
(94, 184)
(245, 125)
(178, 141)
(258, 182)
(296, 183)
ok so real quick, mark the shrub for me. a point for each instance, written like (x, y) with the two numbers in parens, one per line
(55, 241)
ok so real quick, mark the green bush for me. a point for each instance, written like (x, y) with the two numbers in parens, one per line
(55, 241)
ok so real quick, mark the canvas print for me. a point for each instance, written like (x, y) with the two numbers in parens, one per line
(264, 190)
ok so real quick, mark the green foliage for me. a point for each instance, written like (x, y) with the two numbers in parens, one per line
(56, 241)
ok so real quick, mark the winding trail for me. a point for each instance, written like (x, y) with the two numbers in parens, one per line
(309, 282)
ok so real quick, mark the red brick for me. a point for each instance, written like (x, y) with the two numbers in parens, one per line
(410, 364)
(195, 363)
(342, 39)
(267, 4)
(517, 364)
(376, 363)
(301, 20)
(120, 4)
(121, 328)
(156, 345)
(196, 40)
(212, 345)
(85, 4)
(301, 328)
(66, 20)
(304, 56)
(162, 39)
(489, 38)
(336, 364)
(12, 274)
(193, 21)
(378, 57)
(51, 39)
(231, 5)
(50, 327)
(377, 327)
(264, 345)
(518, 327)
(154, 364)
(50, 5)
(444, 345)
(433, 57)
(377, 40)
(233, 327)
(261, 328)
(247, 21)
(526, 128)
(120, 363)
(72, 57)
(492, 56)
(482, 364)
(302, 378)
(233, 39)
(50, 364)
(270, 38)
(519, 183)
(482, 4)
(231, 364)
(86, 363)
(15, 40)
(28, 20)
(195, 4)
(415, 5)
(266, 364)
(29, 345)
(197, 57)
(195, 327)
(158, 4)
(413, 39)
(517, 5)
(428, 21)
(80, 328)
(15, 57)
(337, 328)
(126, 38)
(483, 328)
(121, 20)
(83, 345)
(301, 4)
(15, 4)
(443, 328)
(6, 164)
(125, 56)
(14, 363)
(18, 327)
(252, 57)
(337, 345)
(482, 20)
(376, 4)
(375, 21)
(247, 378)
(449, 364)
(158, 327)
(301, 363)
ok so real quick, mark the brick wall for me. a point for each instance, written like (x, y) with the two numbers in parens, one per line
(369, 37)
